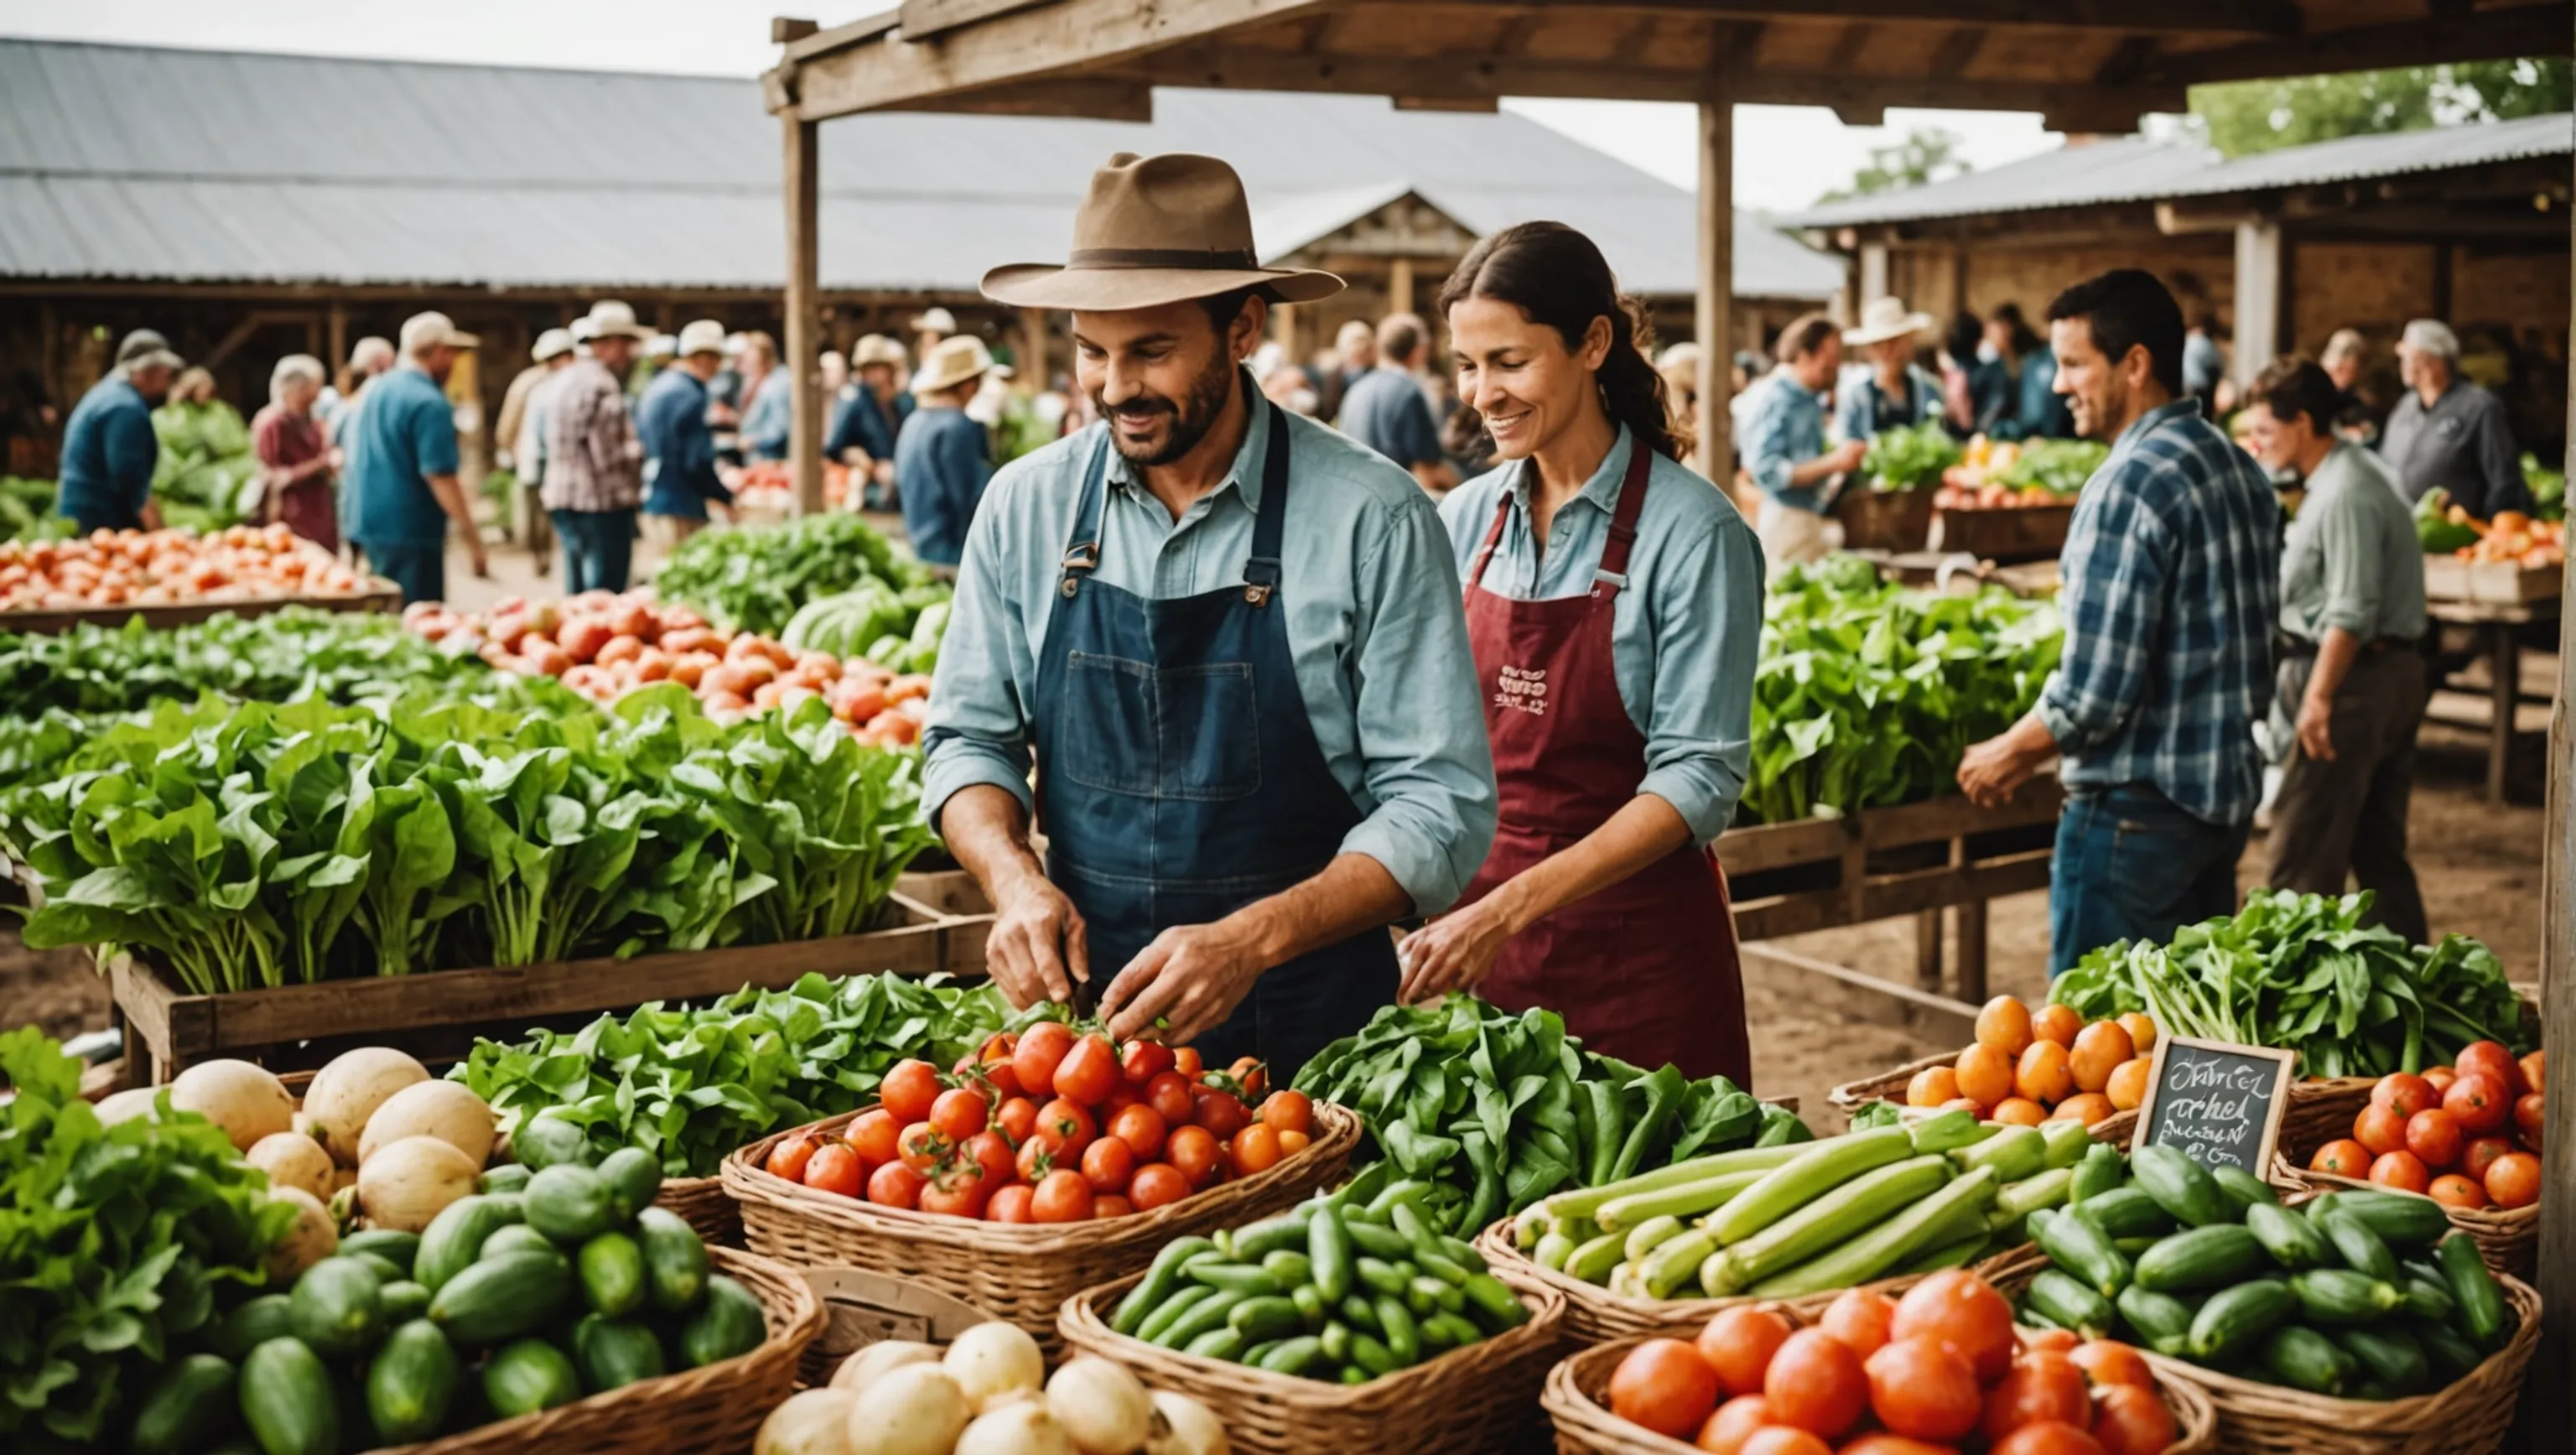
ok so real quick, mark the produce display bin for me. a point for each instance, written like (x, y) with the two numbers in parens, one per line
(2004, 532)
(1576, 1398)
(2507, 583)
(1019, 1272)
(862, 1308)
(2118, 1129)
(2508, 1239)
(1884, 520)
(384, 597)
(954, 893)
(1465, 1402)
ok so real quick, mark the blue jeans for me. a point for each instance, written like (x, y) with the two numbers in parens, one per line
(2132, 865)
(598, 546)
(418, 567)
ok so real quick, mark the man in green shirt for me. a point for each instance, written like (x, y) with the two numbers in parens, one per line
(2352, 681)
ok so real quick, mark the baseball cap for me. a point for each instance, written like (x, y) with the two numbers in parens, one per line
(424, 331)
(146, 349)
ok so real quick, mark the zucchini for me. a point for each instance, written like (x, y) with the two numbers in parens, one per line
(2069, 1304)
(2075, 1245)
(1947, 1131)
(2242, 1189)
(1593, 1261)
(2388, 1354)
(2291, 1240)
(1687, 1200)
(1840, 1215)
(191, 1405)
(1951, 1255)
(1553, 1250)
(2101, 1171)
(2126, 1212)
(2405, 1222)
(1889, 1244)
(2181, 1186)
(1649, 1235)
(2480, 1311)
(2065, 1142)
(2361, 1249)
(2235, 1317)
(2329, 1296)
(2049, 1189)
(2302, 1358)
(287, 1399)
(2451, 1354)
(1818, 1169)
(411, 1383)
(2160, 1321)
(1586, 1202)
(397, 1248)
(1158, 1283)
(2426, 1298)
(2202, 1257)
(1677, 1262)
(2013, 1154)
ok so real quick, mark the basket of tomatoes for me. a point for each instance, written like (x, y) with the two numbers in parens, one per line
(1940, 1370)
(1050, 1161)
(2466, 1135)
(2026, 1067)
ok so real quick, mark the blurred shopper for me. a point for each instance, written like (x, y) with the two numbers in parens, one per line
(1679, 368)
(650, 361)
(1384, 408)
(1896, 391)
(401, 486)
(769, 406)
(369, 357)
(681, 473)
(295, 461)
(1288, 387)
(2449, 434)
(2352, 679)
(2020, 401)
(863, 433)
(2171, 592)
(944, 457)
(521, 431)
(2358, 413)
(1784, 443)
(2204, 363)
(109, 449)
(1354, 354)
(594, 477)
(930, 328)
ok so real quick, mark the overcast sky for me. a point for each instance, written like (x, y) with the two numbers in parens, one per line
(1784, 156)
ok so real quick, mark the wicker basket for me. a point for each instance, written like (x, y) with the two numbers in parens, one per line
(2471, 1417)
(710, 1411)
(1020, 1272)
(2321, 1111)
(1465, 1402)
(1578, 1387)
(2508, 1239)
(2116, 1129)
(707, 1206)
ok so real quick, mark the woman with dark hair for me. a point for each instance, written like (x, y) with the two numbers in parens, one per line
(1614, 604)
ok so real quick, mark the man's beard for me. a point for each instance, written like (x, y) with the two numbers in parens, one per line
(1192, 417)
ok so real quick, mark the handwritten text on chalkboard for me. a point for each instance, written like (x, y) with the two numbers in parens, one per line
(2218, 1102)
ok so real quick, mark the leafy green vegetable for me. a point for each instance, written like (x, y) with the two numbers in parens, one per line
(2435, 531)
(1909, 456)
(689, 1086)
(1498, 1110)
(2548, 489)
(296, 652)
(27, 510)
(114, 1244)
(2058, 466)
(756, 580)
(206, 477)
(2300, 972)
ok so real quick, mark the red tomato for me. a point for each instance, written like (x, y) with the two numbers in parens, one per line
(1816, 1383)
(2480, 1154)
(996, 1068)
(1035, 1161)
(2433, 1135)
(1144, 1060)
(1251, 1075)
(1155, 1184)
(2514, 1180)
(1065, 1128)
(2452, 1190)
(1923, 1389)
(789, 1157)
(921, 1147)
(1169, 1096)
(2128, 1420)
(2490, 1058)
(873, 1133)
(894, 1185)
(1859, 1318)
(1193, 1151)
(1120, 1097)
(2402, 1170)
(1664, 1386)
(833, 1167)
(1292, 1143)
(1142, 1129)
(2527, 1113)
(910, 1089)
(1088, 1071)
(1185, 1060)
(960, 1112)
(2404, 1094)
(1111, 1205)
(1017, 1118)
(958, 1197)
(2479, 1101)
(2037, 1388)
(1108, 1165)
(1289, 1111)
(1041, 1048)
(2440, 1078)
(1219, 1112)
(2382, 1129)
(1255, 1149)
(1063, 1197)
(991, 1151)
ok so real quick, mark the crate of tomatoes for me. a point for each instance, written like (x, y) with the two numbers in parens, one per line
(1050, 1160)
(2466, 1135)
(2027, 1067)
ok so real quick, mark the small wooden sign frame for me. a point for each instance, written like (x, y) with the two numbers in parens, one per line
(2284, 1065)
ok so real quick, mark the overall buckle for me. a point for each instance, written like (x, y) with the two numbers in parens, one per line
(1077, 562)
(1260, 578)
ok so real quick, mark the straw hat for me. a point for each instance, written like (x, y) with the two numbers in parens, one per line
(955, 361)
(609, 318)
(1156, 230)
(1884, 319)
(876, 348)
(701, 336)
(550, 343)
(934, 320)
(424, 331)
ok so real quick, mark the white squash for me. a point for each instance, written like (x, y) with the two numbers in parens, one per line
(1183, 1426)
(128, 1104)
(993, 1360)
(292, 1159)
(404, 1185)
(243, 1099)
(877, 1360)
(816, 1422)
(917, 1409)
(345, 1093)
(312, 1239)
(441, 1109)
(1017, 1427)
(1100, 1405)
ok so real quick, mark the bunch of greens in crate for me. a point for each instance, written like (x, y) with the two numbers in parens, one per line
(1497, 1110)
(1909, 456)
(2548, 488)
(115, 1244)
(206, 476)
(1867, 693)
(689, 1086)
(2058, 466)
(296, 652)
(27, 510)
(756, 580)
(2302, 972)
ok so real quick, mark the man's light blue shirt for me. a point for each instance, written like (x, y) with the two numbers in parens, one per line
(1685, 632)
(1376, 632)
(405, 432)
(1787, 430)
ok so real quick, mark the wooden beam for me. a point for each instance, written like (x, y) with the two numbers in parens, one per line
(1712, 326)
(1957, 49)
(922, 19)
(1473, 105)
(2549, 1399)
(804, 312)
(2521, 30)
(1632, 48)
(1085, 98)
(2175, 17)
(2258, 297)
(1848, 46)
(786, 31)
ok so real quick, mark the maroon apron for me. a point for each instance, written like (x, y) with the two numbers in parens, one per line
(1646, 969)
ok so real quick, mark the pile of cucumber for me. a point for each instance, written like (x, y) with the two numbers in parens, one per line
(536, 1291)
(1336, 1289)
(1786, 1222)
(2353, 1294)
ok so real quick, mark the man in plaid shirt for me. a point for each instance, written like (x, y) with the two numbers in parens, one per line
(2171, 586)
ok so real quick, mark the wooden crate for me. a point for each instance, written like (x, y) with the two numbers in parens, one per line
(2003, 533)
(439, 1013)
(1886, 520)
(383, 598)
(969, 915)
(2448, 578)
(1817, 874)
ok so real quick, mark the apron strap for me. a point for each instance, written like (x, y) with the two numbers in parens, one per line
(1261, 572)
(1082, 548)
(1493, 536)
(1613, 571)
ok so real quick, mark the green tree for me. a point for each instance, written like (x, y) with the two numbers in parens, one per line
(2242, 117)
(1927, 154)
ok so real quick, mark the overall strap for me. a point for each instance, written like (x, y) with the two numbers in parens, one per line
(1082, 547)
(1493, 536)
(1613, 571)
(1261, 572)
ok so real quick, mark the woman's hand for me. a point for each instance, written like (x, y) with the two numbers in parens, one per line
(1454, 952)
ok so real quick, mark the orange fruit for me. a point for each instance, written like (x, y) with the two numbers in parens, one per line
(2343, 1157)
(2057, 1340)
(2107, 1362)
(1815, 1383)
(1985, 1074)
(1783, 1440)
(2004, 1024)
(2099, 1050)
(2086, 1107)
(2057, 1023)
(2406, 1172)
(2127, 1087)
(1932, 1086)
(2452, 1190)
(2018, 1111)
(2045, 1074)
(2513, 1180)
(2142, 1031)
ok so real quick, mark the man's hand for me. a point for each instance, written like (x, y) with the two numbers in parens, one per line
(482, 564)
(2316, 719)
(1454, 952)
(1991, 772)
(1038, 947)
(1848, 455)
(1194, 974)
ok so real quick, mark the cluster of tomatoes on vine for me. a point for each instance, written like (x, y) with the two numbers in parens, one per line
(1051, 1125)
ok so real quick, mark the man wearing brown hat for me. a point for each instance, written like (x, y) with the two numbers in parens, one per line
(1231, 639)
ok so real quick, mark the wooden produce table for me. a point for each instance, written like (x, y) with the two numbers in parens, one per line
(2494, 602)
(2003, 532)
(1884, 520)
(384, 597)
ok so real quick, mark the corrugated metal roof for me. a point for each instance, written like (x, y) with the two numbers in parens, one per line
(132, 162)
(2135, 169)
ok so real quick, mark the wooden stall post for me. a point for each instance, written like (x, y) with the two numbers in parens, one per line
(2258, 296)
(1713, 327)
(804, 316)
(1034, 368)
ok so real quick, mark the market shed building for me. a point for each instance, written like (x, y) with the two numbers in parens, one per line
(2464, 223)
(257, 205)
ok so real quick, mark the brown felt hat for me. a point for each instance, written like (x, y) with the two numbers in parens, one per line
(1156, 230)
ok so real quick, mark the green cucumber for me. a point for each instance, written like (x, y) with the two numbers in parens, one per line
(1235, 1278)
(1889, 1244)
(2451, 1354)
(1455, 1328)
(570, 1204)
(517, 1238)
(2011, 1154)
(634, 1179)
(1379, 1276)
(500, 1299)
(2160, 1321)
(1403, 1336)
(2292, 1240)
(675, 1260)
(1160, 1280)
(2302, 1358)
(2202, 1257)
(190, 1405)
(1439, 1293)
(727, 1325)
(1844, 1213)
(2181, 1186)
(2074, 1244)
(1328, 1249)
(1159, 1319)
(1273, 1317)
(398, 1248)
(2427, 1298)
(1218, 1343)
(2329, 1296)
(385, 1269)
(1258, 1241)
(2069, 1304)
(2126, 1212)
(1492, 1303)
(338, 1308)
(528, 1375)
(2480, 1309)
(1373, 1356)
(411, 1383)
(1687, 1200)
(1208, 1313)
(611, 1269)
(1288, 1268)
(1336, 1339)
(1821, 1168)
(2242, 1189)
(545, 1141)
(253, 1323)
(1292, 1356)
(402, 1301)
(508, 1177)
(287, 1399)
(2388, 1354)
(2235, 1317)
(2404, 1221)
(455, 1238)
(2101, 1171)
(2361, 1249)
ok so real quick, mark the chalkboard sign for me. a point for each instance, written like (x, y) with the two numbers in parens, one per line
(2219, 1102)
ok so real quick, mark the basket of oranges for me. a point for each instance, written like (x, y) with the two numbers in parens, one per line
(2026, 1067)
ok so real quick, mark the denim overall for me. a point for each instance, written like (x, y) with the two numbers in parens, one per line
(1179, 778)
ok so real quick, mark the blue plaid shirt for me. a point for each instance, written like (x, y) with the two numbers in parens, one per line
(1786, 431)
(2171, 587)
